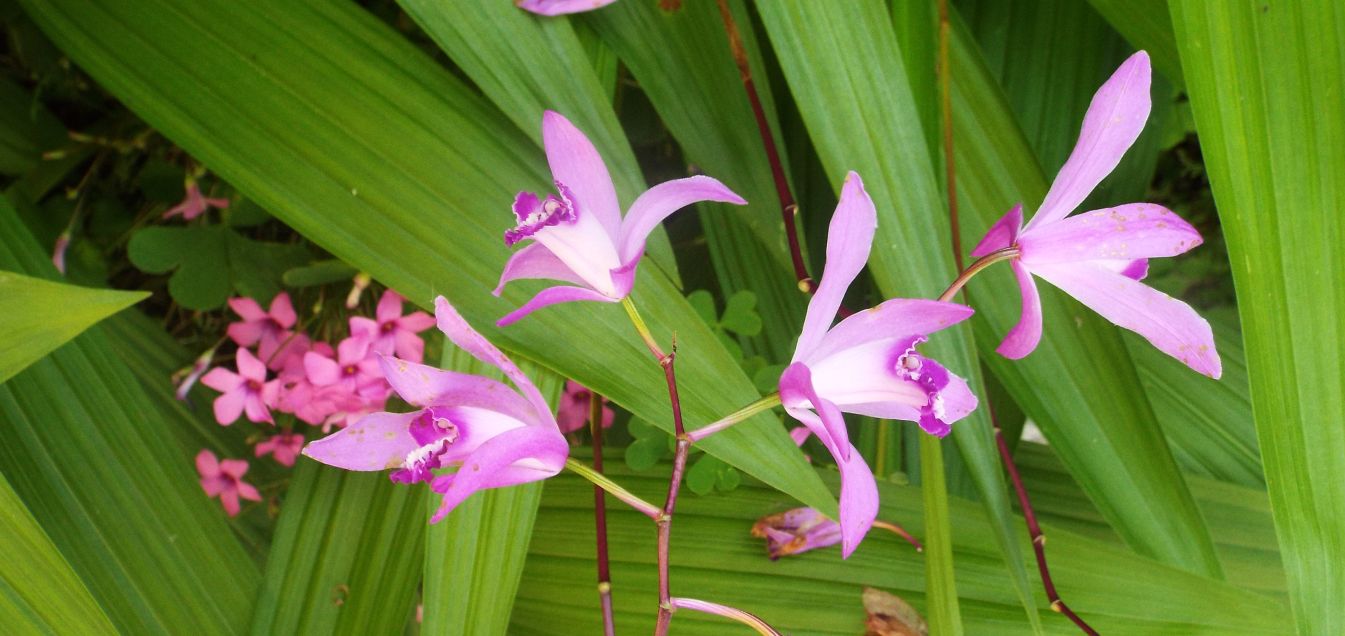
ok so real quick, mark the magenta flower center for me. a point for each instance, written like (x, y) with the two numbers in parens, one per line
(350, 370)
(254, 386)
(388, 327)
(535, 213)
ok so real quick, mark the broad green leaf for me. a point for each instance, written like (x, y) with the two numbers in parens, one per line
(352, 136)
(1146, 24)
(715, 558)
(211, 262)
(1095, 415)
(319, 273)
(39, 592)
(37, 316)
(1267, 87)
(868, 122)
(474, 558)
(102, 472)
(941, 609)
(346, 556)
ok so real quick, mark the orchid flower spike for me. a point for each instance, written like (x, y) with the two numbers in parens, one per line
(1099, 257)
(867, 364)
(561, 7)
(495, 435)
(579, 234)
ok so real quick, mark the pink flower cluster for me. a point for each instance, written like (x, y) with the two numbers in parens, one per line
(279, 368)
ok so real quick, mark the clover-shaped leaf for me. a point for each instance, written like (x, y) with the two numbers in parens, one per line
(211, 262)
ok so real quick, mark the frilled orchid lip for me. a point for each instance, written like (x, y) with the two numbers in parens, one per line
(535, 213)
(435, 432)
(931, 377)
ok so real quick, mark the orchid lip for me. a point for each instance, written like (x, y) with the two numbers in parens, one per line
(535, 214)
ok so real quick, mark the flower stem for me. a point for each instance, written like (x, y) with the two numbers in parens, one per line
(764, 404)
(600, 517)
(642, 328)
(901, 532)
(734, 613)
(614, 489)
(975, 268)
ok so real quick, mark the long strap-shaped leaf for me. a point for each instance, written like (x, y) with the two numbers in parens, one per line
(353, 137)
(1267, 86)
(99, 469)
(1080, 384)
(37, 316)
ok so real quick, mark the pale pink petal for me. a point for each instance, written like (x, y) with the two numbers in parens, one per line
(859, 490)
(576, 163)
(799, 434)
(249, 366)
(376, 442)
(229, 499)
(389, 306)
(247, 309)
(1123, 233)
(1113, 121)
(362, 327)
(894, 318)
(561, 7)
(416, 322)
(245, 334)
(217, 202)
(1167, 323)
(213, 486)
(255, 408)
(408, 345)
(659, 202)
(247, 491)
(468, 339)
(235, 468)
(552, 296)
(1002, 234)
(282, 310)
(321, 370)
(207, 464)
(864, 374)
(536, 261)
(352, 350)
(228, 406)
(222, 380)
(796, 391)
(517, 456)
(1024, 337)
(849, 240)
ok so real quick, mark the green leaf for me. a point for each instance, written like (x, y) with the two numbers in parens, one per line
(702, 475)
(715, 558)
(37, 316)
(101, 470)
(245, 213)
(356, 139)
(1096, 416)
(27, 129)
(1267, 86)
(319, 273)
(704, 304)
(211, 262)
(39, 592)
(740, 314)
(644, 453)
(1147, 25)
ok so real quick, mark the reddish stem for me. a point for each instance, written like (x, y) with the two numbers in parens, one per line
(600, 518)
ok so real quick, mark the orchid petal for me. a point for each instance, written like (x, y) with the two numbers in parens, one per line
(894, 318)
(561, 7)
(536, 261)
(1002, 234)
(859, 490)
(282, 310)
(375, 442)
(1113, 121)
(1167, 323)
(796, 389)
(576, 163)
(661, 201)
(513, 457)
(423, 385)
(849, 240)
(552, 296)
(1123, 233)
(1024, 337)
(462, 334)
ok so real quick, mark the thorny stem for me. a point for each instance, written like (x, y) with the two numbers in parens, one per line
(750, 620)
(600, 517)
(614, 489)
(788, 208)
(764, 404)
(901, 532)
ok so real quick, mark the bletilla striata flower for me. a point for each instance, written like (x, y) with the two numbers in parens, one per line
(561, 7)
(1099, 257)
(796, 531)
(496, 436)
(578, 234)
(867, 364)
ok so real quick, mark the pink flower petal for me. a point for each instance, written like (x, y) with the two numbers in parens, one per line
(1123, 233)
(536, 261)
(416, 322)
(796, 391)
(249, 367)
(229, 498)
(389, 306)
(1167, 323)
(1113, 121)
(207, 464)
(222, 380)
(1002, 234)
(375, 442)
(561, 7)
(517, 456)
(849, 240)
(456, 328)
(553, 296)
(322, 371)
(282, 310)
(894, 318)
(256, 409)
(247, 491)
(408, 346)
(229, 406)
(576, 163)
(659, 202)
(859, 490)
(1024, 337)
(247, 309)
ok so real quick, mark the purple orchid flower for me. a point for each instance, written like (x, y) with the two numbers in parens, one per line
(867, 364)
(561, 7)
(1099, 257)
(496, 436)
(579, 234)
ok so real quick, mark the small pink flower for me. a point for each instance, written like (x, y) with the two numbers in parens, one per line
(574, 404)
(354, 371)
(392, 333)
(58, 252)
(268, 330)
(195, 204)
(284, 447)
(224, 479)
(245, 391)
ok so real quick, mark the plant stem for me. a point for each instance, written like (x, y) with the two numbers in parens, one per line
(643, 329)
(788, 208)
(764, 404)
(901, 532)
(600, 517)
(613, 489)
(996, 256)
(750, 620)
